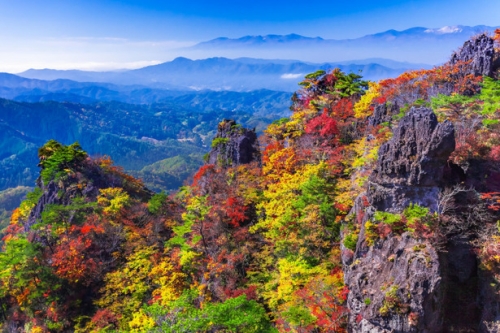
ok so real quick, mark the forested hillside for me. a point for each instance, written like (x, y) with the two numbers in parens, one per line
(135, 136)
(374, 207)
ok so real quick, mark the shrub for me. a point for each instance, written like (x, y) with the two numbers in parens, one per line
(57, 160)
(350, 241)
(219, 141)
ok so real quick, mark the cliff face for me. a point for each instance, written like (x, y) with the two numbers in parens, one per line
(395, 285)
(480, 53)
(411, 163)
(233, 145)
(407, 282)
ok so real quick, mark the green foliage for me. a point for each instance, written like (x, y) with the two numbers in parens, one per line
(57, 160)
(61, 216)
(300, 316)
(196, 211)
(219, 141)
(33, 196)
(350, 241)
(415, 212)
(317, 191)
(281, 121)
(234, 315)
(391, 301)
(387, 217)
(454, 101)
(156, 202)
(206, 156)
(315, 75)
(490, 122)
(349, 85)
(490, 95)
(421, 103)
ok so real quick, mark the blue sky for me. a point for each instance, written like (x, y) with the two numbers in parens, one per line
(100, 34)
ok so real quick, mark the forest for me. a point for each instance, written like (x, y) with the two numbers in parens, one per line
(320, 224)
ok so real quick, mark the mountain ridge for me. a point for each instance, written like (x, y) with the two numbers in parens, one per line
(222, 73)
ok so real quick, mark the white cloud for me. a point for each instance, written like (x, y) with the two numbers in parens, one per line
(445, 30)
(290, 76)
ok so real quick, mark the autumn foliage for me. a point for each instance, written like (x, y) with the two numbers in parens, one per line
(250, 248)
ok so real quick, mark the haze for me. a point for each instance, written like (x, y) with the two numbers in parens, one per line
(110, 35)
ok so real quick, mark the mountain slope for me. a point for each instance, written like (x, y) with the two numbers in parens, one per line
(366, 211)
(135, 136)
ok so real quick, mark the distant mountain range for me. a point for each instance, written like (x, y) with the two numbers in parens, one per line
(415, 44)
(242, 74)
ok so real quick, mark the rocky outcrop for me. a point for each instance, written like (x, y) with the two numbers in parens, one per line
(395, 287)
(395, 284)
(480, 52)
(410, 165)
(87, 180)
(382, 114)
(234, 145)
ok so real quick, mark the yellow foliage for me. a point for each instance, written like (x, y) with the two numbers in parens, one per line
(170, 281)
(282, 161)
(370, 233)
(141, 323)
(292, 274)
(362, 107)
(113, 199)
(16, 214)
(125, 289)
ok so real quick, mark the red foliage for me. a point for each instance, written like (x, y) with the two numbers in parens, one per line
(103, 318)
(204, 170)
(86, 228)
(383, 230)
(342, 109)
(360, 217)
(71, 261)
(250, 292)
(493, 200)
(421, 84)
(322, 125)
(235, 210)
(495, 154)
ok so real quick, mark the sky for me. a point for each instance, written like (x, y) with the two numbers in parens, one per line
(110, 34)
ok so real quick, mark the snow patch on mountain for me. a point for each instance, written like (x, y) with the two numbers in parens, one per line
(446, 30)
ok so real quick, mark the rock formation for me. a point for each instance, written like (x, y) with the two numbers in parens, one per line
(410, 165)
(480, 52)
(233, 145)
(395, 285)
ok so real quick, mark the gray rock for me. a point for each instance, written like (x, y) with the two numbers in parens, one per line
(382, 113)
(409, 170)
(480, 51)
(237, 145)
(408, 265)
(417, 152)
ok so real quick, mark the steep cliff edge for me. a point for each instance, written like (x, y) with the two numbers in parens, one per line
(233, 145)
(437, 276)
(395, 284)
